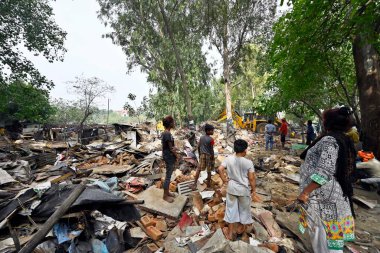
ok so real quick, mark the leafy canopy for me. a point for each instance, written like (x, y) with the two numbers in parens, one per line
(29, 24)
(311, 55)
(21, 101)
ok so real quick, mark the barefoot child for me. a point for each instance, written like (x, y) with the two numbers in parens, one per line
(206, 155)
(240, 189)
(169, 155)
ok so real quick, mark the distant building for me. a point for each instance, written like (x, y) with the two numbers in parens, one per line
(124, 113)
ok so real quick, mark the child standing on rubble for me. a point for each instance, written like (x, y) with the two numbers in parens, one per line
(169, 153)
(206, 155)
(240, 189)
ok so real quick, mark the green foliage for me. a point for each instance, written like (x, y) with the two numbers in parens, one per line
(233, 24)
(138, 27)
(28, 23)
(21, 101)
(311, 55)
(249, 78)
(66, 112)
(205, 103)
(100, 117)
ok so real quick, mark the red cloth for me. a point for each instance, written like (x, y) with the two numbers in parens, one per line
(212, 142)
(284, 128)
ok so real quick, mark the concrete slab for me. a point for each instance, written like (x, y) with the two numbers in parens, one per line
(270, 224)
(290, 222)
(155, 204)
(170, 243)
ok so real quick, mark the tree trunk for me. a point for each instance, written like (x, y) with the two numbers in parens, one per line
(227, 83)
(367, 65)
(253, 91)
(179, 63)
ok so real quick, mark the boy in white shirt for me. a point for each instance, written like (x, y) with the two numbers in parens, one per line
(240, 189)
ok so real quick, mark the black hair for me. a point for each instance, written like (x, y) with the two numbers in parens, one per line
(240, 146)
(338, 119)
(168, 121)
(208, 127)
(309, 122)
(269, 121)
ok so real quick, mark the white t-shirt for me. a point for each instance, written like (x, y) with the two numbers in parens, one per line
(237, 170)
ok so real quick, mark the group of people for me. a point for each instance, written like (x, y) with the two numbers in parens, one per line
(271, 130)
(325, 200)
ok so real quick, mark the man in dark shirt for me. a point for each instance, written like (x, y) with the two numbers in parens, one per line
(169, 154)
(206, 155)
(310, 134)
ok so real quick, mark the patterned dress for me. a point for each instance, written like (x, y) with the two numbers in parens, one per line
(327, 202)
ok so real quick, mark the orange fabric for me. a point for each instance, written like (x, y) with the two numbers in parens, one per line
(366, 156)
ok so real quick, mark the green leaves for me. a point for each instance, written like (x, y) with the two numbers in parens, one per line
(311, 55)
(21, 101)
(139, 28)
(28, 23)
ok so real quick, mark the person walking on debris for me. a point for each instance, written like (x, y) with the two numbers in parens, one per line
(310, 134)
(169, 153)
(283, 132)
(241, 188)
(325, 183)
(206, 155)
(270, 129)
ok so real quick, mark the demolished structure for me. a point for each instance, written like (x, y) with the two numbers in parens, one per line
(106, 196)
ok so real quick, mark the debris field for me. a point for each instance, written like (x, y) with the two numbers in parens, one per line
(106, 196)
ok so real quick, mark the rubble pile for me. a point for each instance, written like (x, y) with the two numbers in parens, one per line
(115, 189)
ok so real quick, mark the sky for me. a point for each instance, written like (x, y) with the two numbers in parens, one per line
(90, 54)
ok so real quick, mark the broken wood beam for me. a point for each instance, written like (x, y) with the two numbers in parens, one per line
(14, 236)
(40, 235)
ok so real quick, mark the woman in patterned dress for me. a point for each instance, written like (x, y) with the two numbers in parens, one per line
(326, 189)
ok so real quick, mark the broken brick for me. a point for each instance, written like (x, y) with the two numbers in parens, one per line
(161, 225)
(151, 247)
(173, 186)
(273, 247)
(147, 221)
(216, 181)
(197, 200)
(215, 208)
(211, 217)
(219, 215)
(154, 233)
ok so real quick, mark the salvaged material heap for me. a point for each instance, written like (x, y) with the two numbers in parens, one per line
(107, 197)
